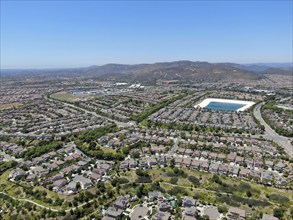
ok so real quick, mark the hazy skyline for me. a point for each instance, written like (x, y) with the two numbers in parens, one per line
(83, 33)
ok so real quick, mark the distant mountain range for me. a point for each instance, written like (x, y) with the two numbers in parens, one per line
(178, 70)
(271, 68)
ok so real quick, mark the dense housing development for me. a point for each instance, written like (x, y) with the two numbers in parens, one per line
(87, 148)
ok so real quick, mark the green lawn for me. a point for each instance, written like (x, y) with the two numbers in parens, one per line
(108, 150)
(64, 96)
(9, 187)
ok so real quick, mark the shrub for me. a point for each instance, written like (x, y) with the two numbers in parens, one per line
(278, 212)
(119, 181)
(174, 180)
(195, 181)
(278, 198)
(143, 179)
(177, 190)
(223, 209)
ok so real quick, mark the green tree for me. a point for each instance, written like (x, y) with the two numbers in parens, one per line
(248, 193)
(172, 163)
(78, 185)
(223, 209)
(278, 212)
(173, 180)
(92, 145)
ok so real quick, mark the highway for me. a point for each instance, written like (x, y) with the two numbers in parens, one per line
(271, 134)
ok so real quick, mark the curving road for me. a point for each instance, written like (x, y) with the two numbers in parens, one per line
(271, 134)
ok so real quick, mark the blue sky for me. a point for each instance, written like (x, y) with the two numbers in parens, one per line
(42, 34)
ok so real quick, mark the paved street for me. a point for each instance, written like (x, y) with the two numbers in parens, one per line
(271, 134)
(119, 124)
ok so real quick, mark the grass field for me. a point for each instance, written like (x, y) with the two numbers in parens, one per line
(16, 190)
(64, 96)
(108, 150)
(209, 191)
(10, 105)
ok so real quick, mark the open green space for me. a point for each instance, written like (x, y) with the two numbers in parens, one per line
(64, 96)
(211, 189)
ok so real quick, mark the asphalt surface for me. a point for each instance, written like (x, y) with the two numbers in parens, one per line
(271, 134)
(120, 124)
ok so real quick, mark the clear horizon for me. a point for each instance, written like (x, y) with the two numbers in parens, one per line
(41, 35)
(76, 67)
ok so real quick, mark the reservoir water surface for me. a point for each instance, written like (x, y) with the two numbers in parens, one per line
(224, 106)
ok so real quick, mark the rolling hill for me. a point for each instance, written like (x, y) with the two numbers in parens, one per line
(183, 71)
